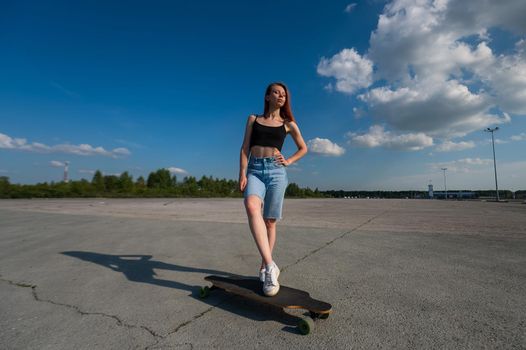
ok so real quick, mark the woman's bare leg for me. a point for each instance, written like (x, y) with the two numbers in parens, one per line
(257, 227)
(271, 234)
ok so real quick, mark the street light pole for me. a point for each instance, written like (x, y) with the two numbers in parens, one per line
(494, 160)
(445, 186)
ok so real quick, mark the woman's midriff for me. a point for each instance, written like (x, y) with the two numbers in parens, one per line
(262, 151)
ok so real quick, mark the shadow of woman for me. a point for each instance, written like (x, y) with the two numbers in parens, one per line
(140, 268)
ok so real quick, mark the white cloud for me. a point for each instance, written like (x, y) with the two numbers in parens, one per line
(445, 109)
(435, 70)
(121, 151)
(349, 8)
(358, 113)
(520, 137)
(416, 39)
(175, 170)
(325, 147)
(508, 80)
(448, 146)
(378, 137)
(476, 16)
(351, 71)
(497, 141)
(474, 161)
(8, 142)
(57, 164)
(465, 165)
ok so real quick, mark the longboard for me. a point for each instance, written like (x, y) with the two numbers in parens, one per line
(287, 298)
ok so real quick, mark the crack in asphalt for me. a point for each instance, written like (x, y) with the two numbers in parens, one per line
(158, 337)
(326, 244)
(199, 315)
(185, 323)
(76, 308)
(173, 346)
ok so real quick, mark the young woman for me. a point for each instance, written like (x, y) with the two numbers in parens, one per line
(263, 177)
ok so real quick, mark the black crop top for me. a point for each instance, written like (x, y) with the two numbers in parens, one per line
(267, 136)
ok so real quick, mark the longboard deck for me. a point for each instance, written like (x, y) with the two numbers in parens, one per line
(287, 297)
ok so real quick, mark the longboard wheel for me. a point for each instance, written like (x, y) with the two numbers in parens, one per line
(204, 292)
(305, 325)
(323, 316)
(315, 315)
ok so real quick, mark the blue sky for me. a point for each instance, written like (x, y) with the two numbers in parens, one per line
(384, 92)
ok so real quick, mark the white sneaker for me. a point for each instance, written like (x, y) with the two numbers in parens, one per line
(271, 284)
(262, 275)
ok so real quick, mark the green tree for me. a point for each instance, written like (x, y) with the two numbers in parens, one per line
(160, 179)
(80, 188)
(189, 186)
(165, 179)
(293, 190)
(140, 183)
(207, 185)
(125, 183)
(4, 186)
(111, 183)
(153, 180)
(98, 182)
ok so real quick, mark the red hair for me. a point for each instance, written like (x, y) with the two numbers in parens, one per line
(285, 112)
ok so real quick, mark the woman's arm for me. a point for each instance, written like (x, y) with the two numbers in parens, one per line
(294, 131)
(245, 150)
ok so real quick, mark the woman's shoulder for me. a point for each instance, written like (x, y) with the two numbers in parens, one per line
(250, 120)
(290, 125)
(251, 117)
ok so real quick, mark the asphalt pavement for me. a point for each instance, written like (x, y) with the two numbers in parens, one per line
(126, 273)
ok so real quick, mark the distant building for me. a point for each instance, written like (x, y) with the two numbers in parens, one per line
(455, 195)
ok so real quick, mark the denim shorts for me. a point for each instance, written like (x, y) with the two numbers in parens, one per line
(267, 179)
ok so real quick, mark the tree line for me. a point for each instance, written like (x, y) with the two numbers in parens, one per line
(161, 183)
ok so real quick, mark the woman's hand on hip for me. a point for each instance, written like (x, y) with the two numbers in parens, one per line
(279, 157)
